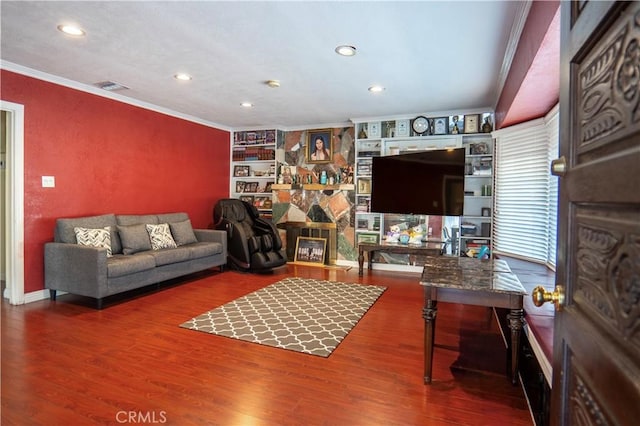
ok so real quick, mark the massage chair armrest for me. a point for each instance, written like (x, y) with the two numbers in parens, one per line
(267, 227)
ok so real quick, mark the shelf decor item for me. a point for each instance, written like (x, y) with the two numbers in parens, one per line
(375, 130)
(472, 123)
(486, 212)
(319, 146)
(402, 128)
(480, 148)
(241, 171)
(371, 238)
(487, 127)
(247, 198)
(440, 125)
(420, 125)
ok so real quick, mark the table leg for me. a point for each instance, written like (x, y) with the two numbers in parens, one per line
(515, 324)
(429, 314)
(370, 260)
(360, 261)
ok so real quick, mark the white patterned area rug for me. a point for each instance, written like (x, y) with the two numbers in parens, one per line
(303, 315)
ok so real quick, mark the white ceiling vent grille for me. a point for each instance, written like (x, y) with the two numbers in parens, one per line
(111, 86)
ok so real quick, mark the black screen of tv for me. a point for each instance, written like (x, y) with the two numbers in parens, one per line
(426, 183)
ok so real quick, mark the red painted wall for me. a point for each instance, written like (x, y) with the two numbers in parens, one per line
(109, 157)
(540, 17)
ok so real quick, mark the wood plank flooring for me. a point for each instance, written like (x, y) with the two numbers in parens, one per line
(65, 363)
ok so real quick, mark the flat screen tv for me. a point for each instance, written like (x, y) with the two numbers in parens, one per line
(421, 183)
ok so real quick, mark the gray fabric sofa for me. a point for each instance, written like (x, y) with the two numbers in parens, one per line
(132, 262)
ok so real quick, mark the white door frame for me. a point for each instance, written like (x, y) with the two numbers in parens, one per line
(14, 202)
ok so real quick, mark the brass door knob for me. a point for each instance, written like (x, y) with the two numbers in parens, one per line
(540, 296)
(559, 166)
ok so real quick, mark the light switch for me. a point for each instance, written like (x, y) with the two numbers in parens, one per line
(48, 181)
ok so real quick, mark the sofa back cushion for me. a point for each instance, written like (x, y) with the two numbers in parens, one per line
(172, 217)
(64, 231)
(136, 219)
(135, 238)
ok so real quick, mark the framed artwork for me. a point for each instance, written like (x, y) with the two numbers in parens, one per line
(441, 126)
(246, 198)
(402, 128)
(480, 148)
(310, 251)
(375, 130)
(472, 123)
(259, 202)
(364, 186)
(486, 211)
(241, 171)
(370, 238)
(320, 146)
(240, 186)
(251, 187)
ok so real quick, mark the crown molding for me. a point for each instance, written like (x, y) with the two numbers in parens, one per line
(512, 46)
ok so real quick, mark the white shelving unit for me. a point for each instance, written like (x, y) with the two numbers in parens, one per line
(253, 166)
(476, 224)
(396, 137)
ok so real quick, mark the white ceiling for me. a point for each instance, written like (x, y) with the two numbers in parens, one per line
(432, 56)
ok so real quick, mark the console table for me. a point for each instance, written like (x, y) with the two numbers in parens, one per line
(471, 281)
(429, 248)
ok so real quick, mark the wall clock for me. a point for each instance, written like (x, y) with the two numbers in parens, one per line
(420, 125)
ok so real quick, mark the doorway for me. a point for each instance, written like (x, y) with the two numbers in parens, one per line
(12, 236)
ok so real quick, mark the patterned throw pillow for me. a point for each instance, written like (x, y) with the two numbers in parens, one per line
(100, 237)
(160, 236)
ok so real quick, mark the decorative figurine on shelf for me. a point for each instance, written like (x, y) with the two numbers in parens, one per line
(362, 134)
(394, 234)
(455, 129)
(404, 237)
(487, 127)
(416, 234)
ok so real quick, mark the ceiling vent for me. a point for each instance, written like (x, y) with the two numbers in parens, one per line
(111, 86)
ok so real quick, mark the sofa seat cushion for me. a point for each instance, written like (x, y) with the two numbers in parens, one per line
(170, 255)
(203, 249)
(119, 265)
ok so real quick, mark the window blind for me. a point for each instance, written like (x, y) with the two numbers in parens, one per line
(525, 199)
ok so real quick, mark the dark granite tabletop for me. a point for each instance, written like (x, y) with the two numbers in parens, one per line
(468, 273)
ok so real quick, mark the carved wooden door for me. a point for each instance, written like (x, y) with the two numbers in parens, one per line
(596, 366)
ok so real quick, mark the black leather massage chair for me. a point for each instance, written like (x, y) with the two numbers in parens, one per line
(253, 242)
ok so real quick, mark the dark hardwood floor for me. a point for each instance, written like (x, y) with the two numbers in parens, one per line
(65, 363)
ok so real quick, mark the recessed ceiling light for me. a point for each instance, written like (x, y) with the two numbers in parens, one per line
(345, 50)
(376, 89)
(246, 104)
(182, 76)
(71, 30)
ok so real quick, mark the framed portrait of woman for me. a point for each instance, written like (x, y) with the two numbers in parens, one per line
(320, 146)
